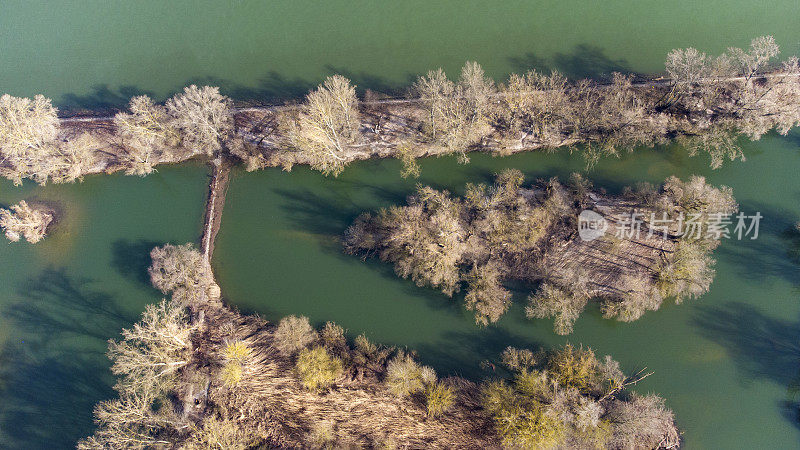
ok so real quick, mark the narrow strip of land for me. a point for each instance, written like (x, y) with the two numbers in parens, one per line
(220, 176)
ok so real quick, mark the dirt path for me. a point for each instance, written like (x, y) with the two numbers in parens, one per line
(220, 176)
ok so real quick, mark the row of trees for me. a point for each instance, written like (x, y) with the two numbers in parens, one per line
(707, 103)
(197, 121)
(34, 144)
(504, 231)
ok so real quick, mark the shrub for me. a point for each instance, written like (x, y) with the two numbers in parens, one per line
(237, 351)
(569, 399)
(231, 373)
(293, 334)
(439, 398)
(220, 434)
(321, 436)
(332, 337)
(405, 377)
(575, 367)
(318, 370)
(521, 423)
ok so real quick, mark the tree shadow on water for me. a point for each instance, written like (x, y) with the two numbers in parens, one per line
(584, 61)
(776, 251)
(330, 213)
(54, 364)
(132, 259)
(761, 346)
(466, 350)
(101, 99)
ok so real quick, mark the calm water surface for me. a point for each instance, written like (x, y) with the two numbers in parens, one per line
(724, 362)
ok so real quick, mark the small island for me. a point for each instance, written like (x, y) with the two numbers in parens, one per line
(507, 231)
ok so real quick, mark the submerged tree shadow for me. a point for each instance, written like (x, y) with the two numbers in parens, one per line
(101, 99)
(132, 259)
(584, 61)
(776, 251)
(761, 346)
(55, 367)
(331, 212)
(363, 81)
(467, 350)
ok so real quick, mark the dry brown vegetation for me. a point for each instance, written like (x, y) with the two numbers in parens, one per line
(204, 376)
(505, 231)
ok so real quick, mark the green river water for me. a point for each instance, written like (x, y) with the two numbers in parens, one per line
(724, 362)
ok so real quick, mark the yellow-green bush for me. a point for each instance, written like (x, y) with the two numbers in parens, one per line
(439, 399)
(237, 351)
(317, 369)
(231, 373)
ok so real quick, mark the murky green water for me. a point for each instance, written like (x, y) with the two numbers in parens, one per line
(724, 362)
(92, 52)
(63, 298)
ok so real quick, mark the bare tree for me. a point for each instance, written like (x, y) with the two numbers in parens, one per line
(26, 125)
(147, 359)
(535, 105)
(153, 350)
(434, 89)
(686, 65)
(762, 50)
(181, 270)
(327, 126)
(203, 117)
(70, 159)
(718, 140)
(131, 421)
(554, 301)
(22, 220)
(456, 112)
(486, 295)
(145, 131)
(28, 132)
